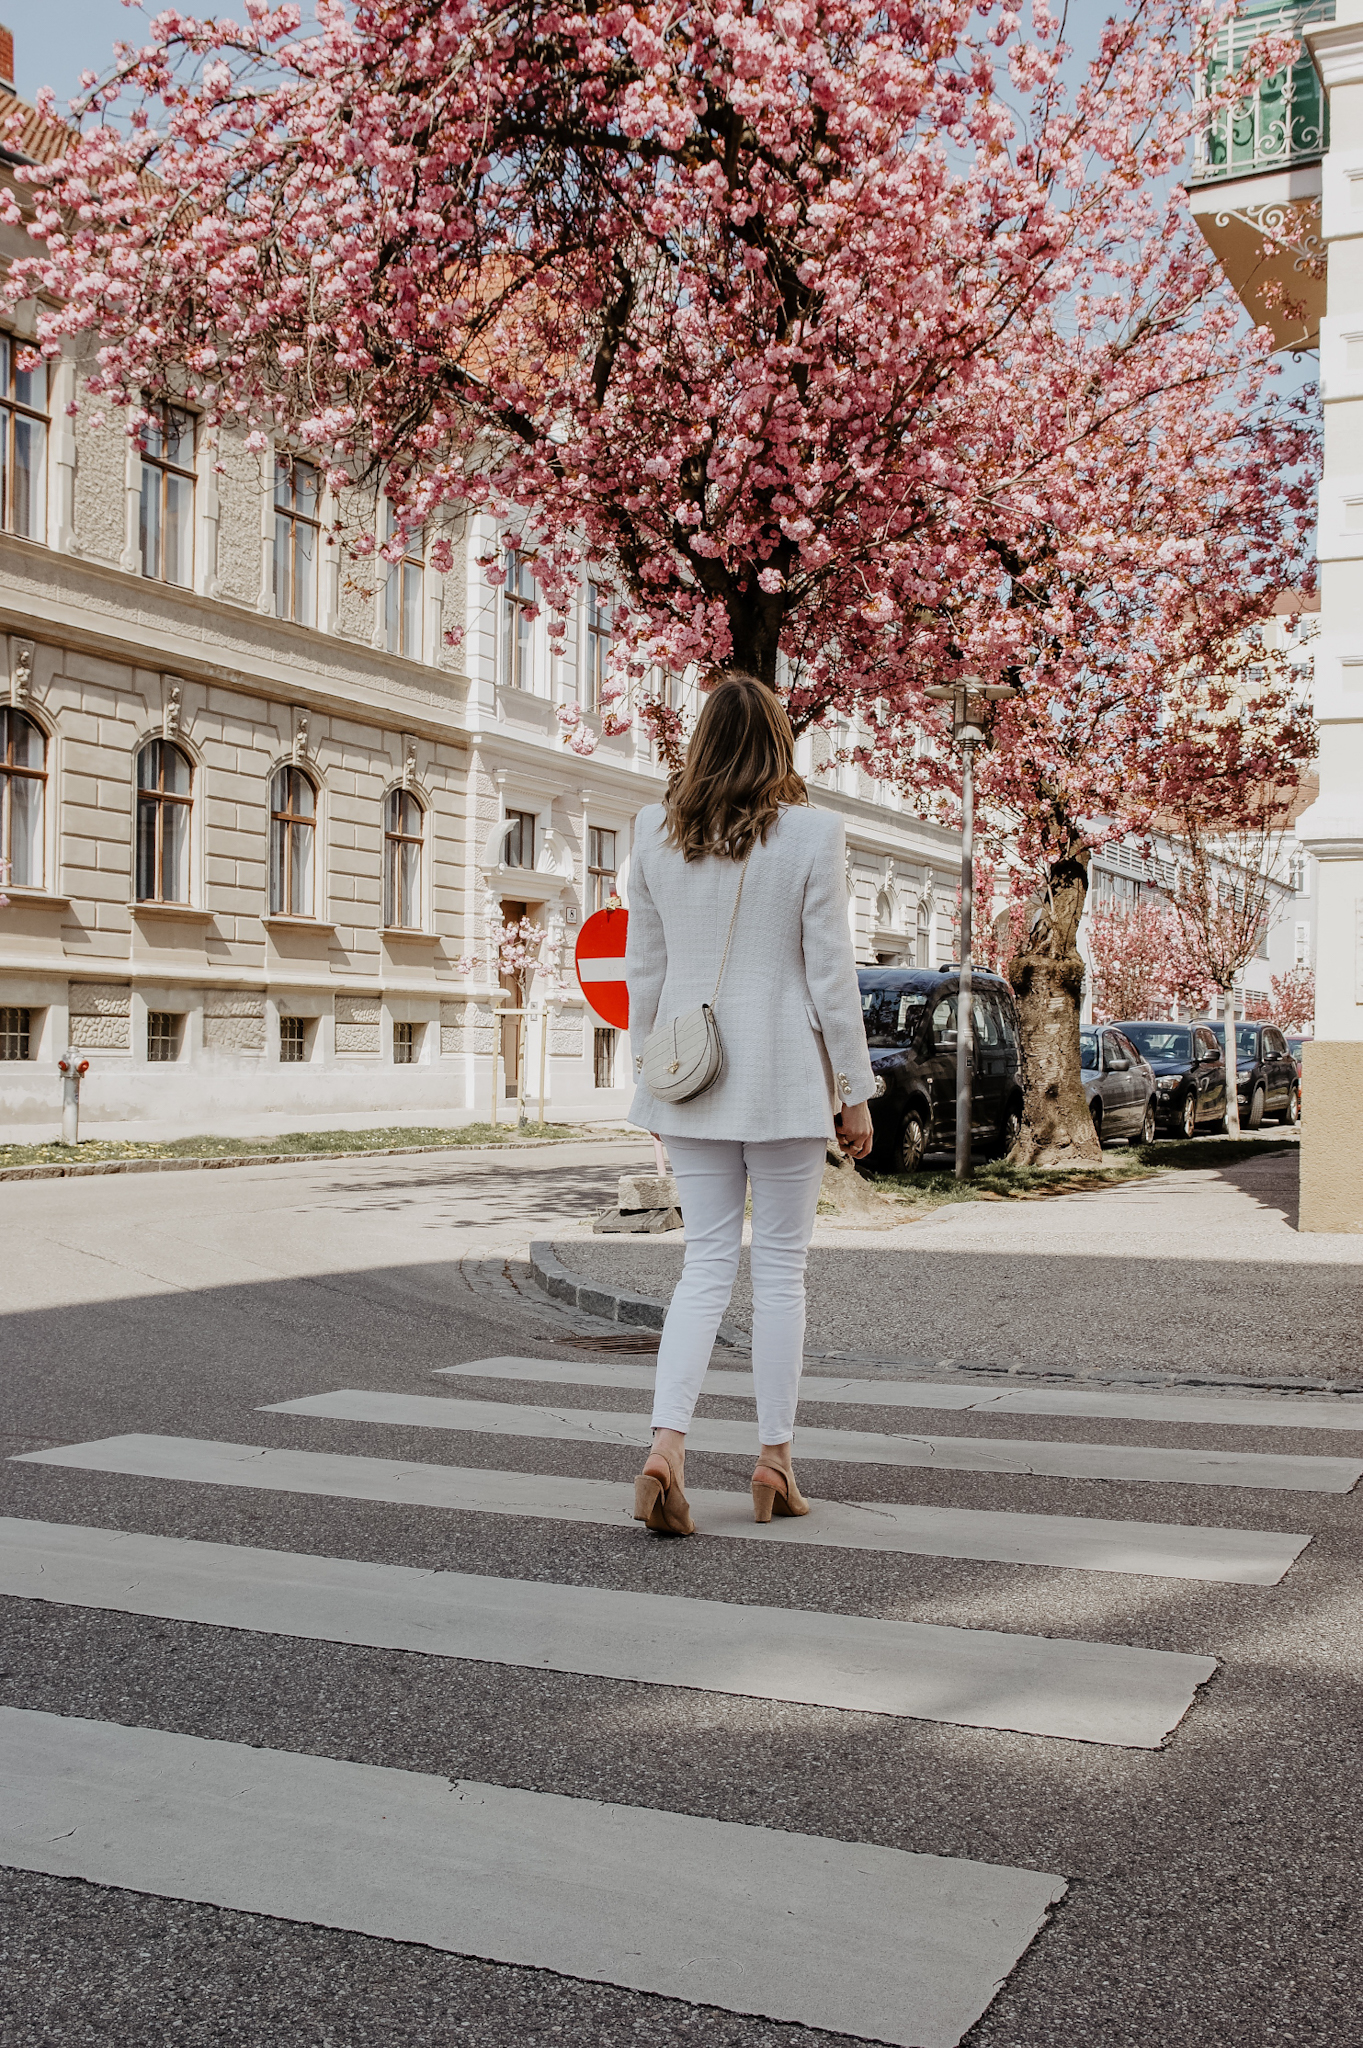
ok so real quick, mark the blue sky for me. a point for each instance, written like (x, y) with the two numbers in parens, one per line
(57, 40)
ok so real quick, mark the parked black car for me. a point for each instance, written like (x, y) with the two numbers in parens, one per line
(1268, 1081)
(1190, 1074)
(910, 1017)
(1119, 1085)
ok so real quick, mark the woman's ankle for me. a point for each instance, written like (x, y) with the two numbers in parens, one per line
(776, 1456)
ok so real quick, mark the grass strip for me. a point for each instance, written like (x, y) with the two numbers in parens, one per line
(432, 1137)
(994, 1180)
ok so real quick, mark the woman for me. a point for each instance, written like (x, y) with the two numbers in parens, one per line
(789, 1016)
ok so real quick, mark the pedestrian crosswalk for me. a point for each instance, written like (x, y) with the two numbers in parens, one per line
(845, 1446)
(878, 1944)
(1165, 1550)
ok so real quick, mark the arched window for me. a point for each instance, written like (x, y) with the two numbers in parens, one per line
(23, 783)
(293, 833)
(164, 785)
(923, 940)
(402, 860)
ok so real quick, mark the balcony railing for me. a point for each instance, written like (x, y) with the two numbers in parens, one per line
(1286, 122)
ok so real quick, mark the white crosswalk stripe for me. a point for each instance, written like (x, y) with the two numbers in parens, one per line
(882, 1945)
(975, 1678)
(1258, 1411)
(1167, 1550)
(845, 1446)
(879, 1943)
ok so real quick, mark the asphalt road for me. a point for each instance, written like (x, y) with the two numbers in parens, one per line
(1214, 1884)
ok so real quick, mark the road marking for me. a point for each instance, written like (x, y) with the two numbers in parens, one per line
(972, 1678)
(1259, 1412)
(1167, 1550)
(1279, 1472)
(878, 1943)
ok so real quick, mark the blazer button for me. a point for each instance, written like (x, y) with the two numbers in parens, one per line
(843, 1083)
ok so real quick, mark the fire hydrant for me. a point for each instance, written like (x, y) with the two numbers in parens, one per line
(72, 1067)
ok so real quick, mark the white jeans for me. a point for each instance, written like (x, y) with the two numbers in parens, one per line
(712, 1180)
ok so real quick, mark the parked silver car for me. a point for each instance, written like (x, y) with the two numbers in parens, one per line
(1119, 1086)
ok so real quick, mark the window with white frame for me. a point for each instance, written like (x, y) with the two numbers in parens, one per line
(297, 539)
(518, 605)
(23, 792)
(403, 592)
(402, 835)
(23, 443)
(293, 839)
(165, 782)
(163, 1034)
(601, 866)
(1302, 946)
(923, 934)
(1296, 873)
(165, 518)
(518, 843)
(596, 645)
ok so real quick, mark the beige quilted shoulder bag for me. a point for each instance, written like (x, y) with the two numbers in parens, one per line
(682, 1059)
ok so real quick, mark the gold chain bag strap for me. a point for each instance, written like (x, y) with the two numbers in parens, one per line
(684, 1058)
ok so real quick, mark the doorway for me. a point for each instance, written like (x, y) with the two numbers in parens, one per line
(512, 1027)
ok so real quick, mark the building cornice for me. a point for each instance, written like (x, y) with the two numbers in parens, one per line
(1337, 53)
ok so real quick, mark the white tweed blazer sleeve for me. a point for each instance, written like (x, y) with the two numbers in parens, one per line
(831, 970)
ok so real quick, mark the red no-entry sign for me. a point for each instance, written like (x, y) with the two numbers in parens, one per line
(600, 963)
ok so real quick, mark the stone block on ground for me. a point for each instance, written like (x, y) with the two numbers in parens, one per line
(637, 1222)
(647, 1191)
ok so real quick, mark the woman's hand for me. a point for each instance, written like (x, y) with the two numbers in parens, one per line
(855, 1134)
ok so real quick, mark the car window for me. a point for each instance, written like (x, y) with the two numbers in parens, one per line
(1113, 1056)
(892, 1015)
(1132, 1051)
(1162, 1041)
(1207, 1046)
(986, 1024)
(1088, 1051)
(1008, 1032)
(944, 1020)
(1246, 1041)
(1274, 1048)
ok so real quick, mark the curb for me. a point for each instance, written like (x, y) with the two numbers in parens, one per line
(81, 1171)
(611, 1304)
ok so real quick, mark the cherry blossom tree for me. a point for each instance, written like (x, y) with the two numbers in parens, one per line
(860, 347)
(1143, 965)
(1291, 1003)
(1235, 752)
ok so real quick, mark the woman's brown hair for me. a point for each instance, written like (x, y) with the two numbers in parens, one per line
(739, 770)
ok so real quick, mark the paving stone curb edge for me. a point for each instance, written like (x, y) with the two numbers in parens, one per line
(80, 1170)
(611, 1304)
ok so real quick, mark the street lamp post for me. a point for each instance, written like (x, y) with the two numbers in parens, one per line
(967, 698)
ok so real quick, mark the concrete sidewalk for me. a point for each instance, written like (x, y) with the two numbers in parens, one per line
(1193, 1273)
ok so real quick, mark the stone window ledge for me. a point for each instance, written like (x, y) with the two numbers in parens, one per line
(410, 934)
(297, 924)
(185, 913)
(34, 899)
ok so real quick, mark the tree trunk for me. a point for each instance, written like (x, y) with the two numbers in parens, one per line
(755, 622)
(1232, 1066)
(1048, 978)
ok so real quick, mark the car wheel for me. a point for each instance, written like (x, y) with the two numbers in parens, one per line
(1256, 1110)
(1146, 1134)
(1096, 1112)
(1292, 1114)
(913, 1143)
(1187, 1121)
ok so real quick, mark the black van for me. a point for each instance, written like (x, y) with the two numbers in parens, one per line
(910, 1018)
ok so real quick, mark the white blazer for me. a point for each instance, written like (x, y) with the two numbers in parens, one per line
(789, 1009)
